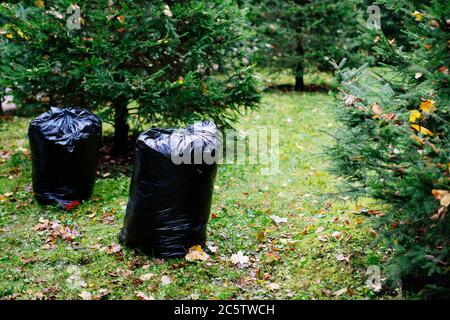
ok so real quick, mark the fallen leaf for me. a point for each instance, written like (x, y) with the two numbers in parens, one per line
(213, 248)
(103, 292)
(417, 15)
(273, 257)
(440, 215)
(340, 292)
(142, 296)
(126, 273)
(376, 109)
(240, 259)
(27, 261)
(341, 257)
(273, 286)
(113, 248)
(350, 100)
(85, 295)
(414, 116)
(443, 196)
(165, 280)
(337, 235)
(146, 277)
(71, 205)
(422, 130)
(428, 106)
(278, 220)
(196, 253)
(260, 236)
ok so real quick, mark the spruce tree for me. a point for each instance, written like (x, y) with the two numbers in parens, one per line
(394, 143)
(149, 61)
(301, 35)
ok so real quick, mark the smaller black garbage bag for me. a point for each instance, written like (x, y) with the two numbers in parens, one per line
(171, 189)
(64, 146)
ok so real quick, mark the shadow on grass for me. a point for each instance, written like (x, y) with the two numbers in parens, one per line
(284, 88)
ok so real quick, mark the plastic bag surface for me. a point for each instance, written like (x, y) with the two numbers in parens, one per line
(64, 146)
(170, 202)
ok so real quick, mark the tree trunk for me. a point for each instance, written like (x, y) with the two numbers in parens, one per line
(299, 81)
(121, 128)
(300, 52)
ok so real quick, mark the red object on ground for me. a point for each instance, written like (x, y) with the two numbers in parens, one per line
(71, 205)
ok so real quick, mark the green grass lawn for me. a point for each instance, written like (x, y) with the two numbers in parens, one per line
(321, 252)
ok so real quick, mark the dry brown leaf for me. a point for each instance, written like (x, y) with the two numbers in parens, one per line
(341, 257)
(340, 292)
(85, 295)
(112, 248)
(196, 253)
(337, 235)
(273, 256)
(443, 196)
(142, 296)
(273, 286)
(376, 109)
(147, 276)
(320, 229)
(440, 215)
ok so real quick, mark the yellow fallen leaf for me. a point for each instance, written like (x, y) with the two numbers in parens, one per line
(422, 130)
(22, 35)
(414, 116)
(39, 3)
(428, 106)
(416, 138)
(417, 15)
(9, 35)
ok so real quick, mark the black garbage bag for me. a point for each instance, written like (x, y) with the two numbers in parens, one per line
(170, 202)
(64, 146)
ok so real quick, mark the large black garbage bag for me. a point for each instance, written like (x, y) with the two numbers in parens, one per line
(169, 203)
(64, 147)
